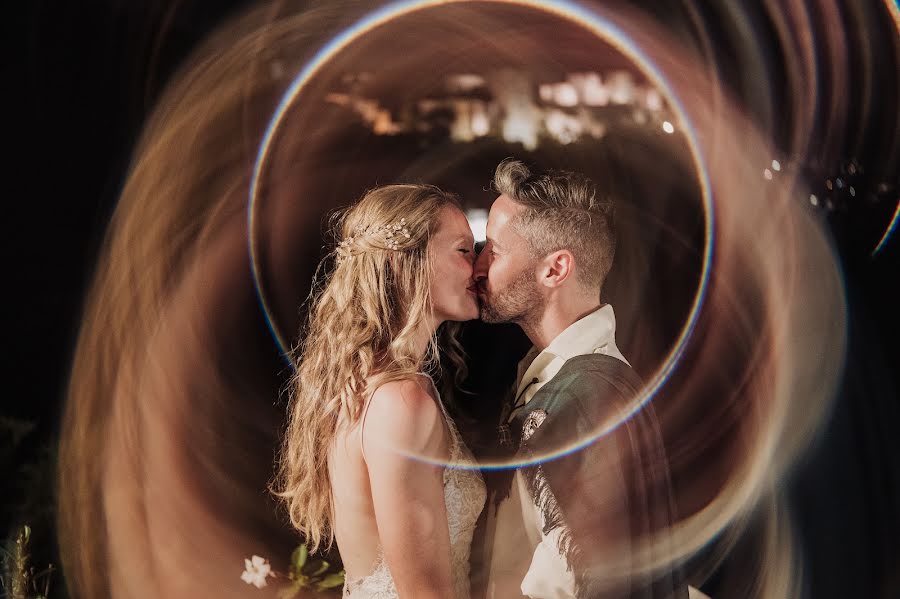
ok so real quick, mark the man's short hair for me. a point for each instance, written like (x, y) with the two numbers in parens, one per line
(562, 210)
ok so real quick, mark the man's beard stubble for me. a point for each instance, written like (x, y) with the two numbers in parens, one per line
(518, 303)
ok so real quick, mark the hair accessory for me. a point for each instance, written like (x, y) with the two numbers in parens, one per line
(392, 236)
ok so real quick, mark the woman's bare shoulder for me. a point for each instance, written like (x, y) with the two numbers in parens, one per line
(404, 415)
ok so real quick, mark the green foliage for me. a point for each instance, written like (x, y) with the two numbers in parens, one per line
(28, 463)
(306, 573)
(20, 581)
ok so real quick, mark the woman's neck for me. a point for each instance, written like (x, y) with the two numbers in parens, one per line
(423, 340)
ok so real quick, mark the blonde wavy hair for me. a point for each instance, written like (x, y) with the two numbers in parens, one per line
(364, 328)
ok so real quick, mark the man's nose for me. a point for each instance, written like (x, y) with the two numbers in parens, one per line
(480, 270)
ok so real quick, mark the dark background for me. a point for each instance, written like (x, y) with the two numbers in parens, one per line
(84, 76)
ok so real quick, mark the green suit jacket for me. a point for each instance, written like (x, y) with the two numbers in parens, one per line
(599, 473)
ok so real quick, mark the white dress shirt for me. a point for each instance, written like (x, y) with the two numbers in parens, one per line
(519, 524)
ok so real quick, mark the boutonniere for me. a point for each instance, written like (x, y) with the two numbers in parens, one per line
(534, 420)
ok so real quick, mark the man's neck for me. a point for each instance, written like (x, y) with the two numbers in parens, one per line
(555, 319)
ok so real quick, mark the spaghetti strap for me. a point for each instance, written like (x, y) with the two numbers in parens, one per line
(436, 396)
(362, 424)
(452, 430)
(362, 421)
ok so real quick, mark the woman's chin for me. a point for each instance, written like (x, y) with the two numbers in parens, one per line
(465, 311)
(466, 314)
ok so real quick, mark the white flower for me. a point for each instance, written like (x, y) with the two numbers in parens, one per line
(256, 569)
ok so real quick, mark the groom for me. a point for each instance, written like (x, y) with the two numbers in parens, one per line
(577, 524)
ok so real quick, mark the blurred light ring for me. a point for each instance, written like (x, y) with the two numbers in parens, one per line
(893, 7)
(889, 232)
(606, 31)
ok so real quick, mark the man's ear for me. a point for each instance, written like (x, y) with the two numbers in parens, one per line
(556, 268)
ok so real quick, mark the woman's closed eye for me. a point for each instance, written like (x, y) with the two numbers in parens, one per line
(468, 254)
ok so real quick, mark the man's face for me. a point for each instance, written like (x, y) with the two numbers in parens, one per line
(506, 270)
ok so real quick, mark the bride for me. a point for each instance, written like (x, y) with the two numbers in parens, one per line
(368, 453)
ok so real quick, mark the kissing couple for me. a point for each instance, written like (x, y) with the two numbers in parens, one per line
(371, 458)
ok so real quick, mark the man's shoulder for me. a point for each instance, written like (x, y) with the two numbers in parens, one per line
(584, 377)
(588, 390)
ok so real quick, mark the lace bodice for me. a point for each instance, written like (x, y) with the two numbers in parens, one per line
(464, 496)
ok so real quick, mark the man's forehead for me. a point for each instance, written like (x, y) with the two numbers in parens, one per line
(502, 210)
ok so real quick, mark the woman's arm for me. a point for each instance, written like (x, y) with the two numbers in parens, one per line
(408, 494)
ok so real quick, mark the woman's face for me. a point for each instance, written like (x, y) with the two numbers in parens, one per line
(452, 251)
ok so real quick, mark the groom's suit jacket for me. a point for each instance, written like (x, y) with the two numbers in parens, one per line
(605, 490)
(599, 498)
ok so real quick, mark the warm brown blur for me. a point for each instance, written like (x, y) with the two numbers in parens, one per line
(173, 413)
(168, 439)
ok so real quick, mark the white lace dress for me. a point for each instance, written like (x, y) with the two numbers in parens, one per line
(464, 496)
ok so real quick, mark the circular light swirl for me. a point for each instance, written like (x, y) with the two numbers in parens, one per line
(604, 29)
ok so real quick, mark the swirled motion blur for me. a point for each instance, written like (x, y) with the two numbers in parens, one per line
(730, 297)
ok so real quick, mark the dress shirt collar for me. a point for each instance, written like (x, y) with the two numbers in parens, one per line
(596, 331)
(585, 334)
